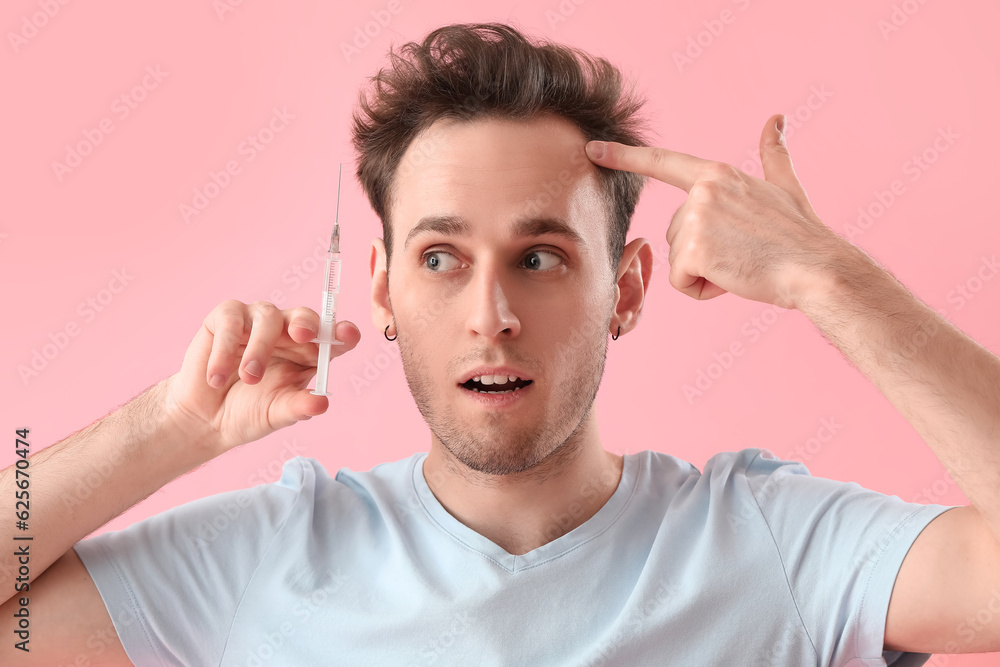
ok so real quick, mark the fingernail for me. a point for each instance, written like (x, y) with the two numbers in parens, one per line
(253, 368)
(597, 149)
(217, 380)
(782, 123)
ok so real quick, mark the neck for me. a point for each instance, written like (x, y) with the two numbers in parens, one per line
(523, 511)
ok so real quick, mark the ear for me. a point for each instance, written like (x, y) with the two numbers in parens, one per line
(381, 308)
(634, 272)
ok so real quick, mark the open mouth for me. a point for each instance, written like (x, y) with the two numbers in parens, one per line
(495, 384)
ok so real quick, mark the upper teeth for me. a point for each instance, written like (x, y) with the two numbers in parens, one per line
(495, 379)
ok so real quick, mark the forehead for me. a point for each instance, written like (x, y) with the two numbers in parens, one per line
(496, 173)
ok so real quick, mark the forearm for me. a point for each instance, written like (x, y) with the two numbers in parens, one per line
(82, 482)
(943, 382)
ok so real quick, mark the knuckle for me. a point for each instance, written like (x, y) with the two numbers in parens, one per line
(303, 312)
(231, 305)
(707, 189)
(690, 249)
(659, 157)
(695, 216)
(674, 278)
(222, 310)
(724, 172)
(301, 317)
(264, 308)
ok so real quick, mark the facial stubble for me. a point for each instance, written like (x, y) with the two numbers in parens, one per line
(501, 445)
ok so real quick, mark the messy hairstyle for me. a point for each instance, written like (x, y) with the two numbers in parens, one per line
(468, 72)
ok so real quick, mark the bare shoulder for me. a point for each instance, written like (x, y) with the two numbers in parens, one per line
(67, 620)
(948, 588)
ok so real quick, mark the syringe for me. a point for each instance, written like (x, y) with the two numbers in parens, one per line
(328, 314)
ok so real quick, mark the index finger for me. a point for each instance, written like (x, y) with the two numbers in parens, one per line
(678, 169)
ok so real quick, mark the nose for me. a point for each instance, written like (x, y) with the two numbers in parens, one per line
(490, 314)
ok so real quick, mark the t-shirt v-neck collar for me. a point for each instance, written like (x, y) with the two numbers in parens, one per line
(579, 536)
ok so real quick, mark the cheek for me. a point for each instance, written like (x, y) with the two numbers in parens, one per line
(584, 316)
(421, 308)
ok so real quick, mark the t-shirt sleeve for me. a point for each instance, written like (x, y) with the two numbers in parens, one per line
(172, 583)
(841, 546)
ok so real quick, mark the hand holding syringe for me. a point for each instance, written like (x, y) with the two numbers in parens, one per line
(328, 314)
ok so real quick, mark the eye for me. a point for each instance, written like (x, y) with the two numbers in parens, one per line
(542, 260)
(437, 261)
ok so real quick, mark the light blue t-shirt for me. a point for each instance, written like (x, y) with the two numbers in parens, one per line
(753, 562)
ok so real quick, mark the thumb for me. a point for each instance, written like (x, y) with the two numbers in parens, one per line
(776, 160)
(293, 405)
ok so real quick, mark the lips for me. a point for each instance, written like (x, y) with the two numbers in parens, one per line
(495, 380)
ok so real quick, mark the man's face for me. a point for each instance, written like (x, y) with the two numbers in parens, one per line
(512, 279)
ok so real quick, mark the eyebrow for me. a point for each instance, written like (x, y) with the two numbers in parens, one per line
(453, 225)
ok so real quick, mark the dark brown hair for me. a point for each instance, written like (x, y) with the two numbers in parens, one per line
(490, 70)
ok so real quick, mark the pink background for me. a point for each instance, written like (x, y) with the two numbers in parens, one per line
(886, 96)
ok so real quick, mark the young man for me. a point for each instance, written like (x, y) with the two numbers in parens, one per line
(517, 539)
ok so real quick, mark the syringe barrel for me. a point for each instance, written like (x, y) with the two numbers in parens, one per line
(332, 287)
(331, 291)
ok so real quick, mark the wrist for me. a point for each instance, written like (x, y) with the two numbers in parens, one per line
(159, 437)
(836, 283)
